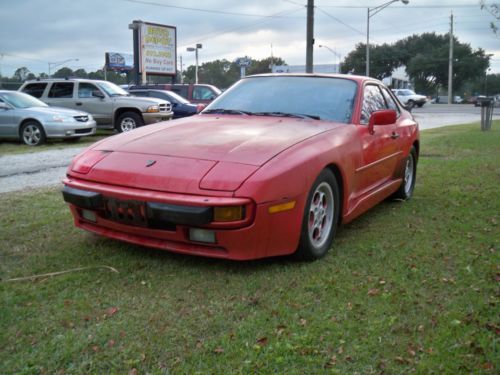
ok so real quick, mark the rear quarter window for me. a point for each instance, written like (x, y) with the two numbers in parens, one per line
(35, 89)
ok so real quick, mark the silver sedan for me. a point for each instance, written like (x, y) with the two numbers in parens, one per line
(31, 120)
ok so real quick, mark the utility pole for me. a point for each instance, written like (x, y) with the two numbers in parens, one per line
(450, 64)
(310, 36)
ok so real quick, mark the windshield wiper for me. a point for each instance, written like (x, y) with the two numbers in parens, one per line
(284, 114)
(228, 111)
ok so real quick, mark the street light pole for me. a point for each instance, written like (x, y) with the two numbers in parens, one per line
(334, 53)
(369, 14)
(195, 49)
(56, 64)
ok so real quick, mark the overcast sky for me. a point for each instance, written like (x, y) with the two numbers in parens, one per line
(35, 32)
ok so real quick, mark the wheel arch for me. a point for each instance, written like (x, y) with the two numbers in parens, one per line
(340, 182)
(121, 111)
(25, 121)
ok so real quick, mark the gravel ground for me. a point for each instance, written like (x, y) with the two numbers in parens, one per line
(48, 168)
(24, 171)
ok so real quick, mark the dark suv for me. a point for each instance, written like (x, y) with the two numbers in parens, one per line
(195, 93)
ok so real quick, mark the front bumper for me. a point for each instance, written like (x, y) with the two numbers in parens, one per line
(70, 129)
(164, 221)
(153, 118)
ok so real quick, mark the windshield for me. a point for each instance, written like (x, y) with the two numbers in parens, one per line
(111, 89)
(21, 100)
(322, 98)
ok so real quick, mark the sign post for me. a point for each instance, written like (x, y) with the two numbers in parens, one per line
(155, 49)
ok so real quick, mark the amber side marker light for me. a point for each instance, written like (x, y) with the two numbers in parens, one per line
(281, 207)
(233, 213)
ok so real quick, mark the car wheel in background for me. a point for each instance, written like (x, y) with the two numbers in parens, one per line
(128, 121)
(319, 222)
(32, 133)
(405, 191)
(410, 104)
(420, 105)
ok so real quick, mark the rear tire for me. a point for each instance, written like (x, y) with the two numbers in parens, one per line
(128, 121)
(320, 218)
(32, 134)
(405, 191)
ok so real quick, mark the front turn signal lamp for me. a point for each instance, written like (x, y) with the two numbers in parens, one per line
(153, 109)
(230, 213)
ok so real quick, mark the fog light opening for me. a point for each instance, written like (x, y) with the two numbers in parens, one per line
(201, 235)
(89, 215)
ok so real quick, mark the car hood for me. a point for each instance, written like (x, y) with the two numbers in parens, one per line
(196, 154)
(49, 111)
(249, 140)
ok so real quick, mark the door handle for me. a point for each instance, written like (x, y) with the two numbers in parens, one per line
(78, 103)
(394, 135)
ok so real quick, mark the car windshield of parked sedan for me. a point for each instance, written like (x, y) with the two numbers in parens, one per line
(111, 89)
(325, 98)
(20, 100)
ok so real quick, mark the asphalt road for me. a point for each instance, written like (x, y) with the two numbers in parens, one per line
(47, 168)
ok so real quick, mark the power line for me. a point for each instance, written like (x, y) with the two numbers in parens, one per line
(341, 22)
(197, 9)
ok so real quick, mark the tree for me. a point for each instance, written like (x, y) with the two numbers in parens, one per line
(63, 73)
(223, 73)
(494, 10)
(80, 73)
(426, 59)
(21, 74)
(264, 65)
(382, 61)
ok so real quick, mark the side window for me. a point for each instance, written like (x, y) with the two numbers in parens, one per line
(61, 90)
(85, 89)
(203, 93)
(35, 89)
(373, 100)
(181, 90)
(391, 104)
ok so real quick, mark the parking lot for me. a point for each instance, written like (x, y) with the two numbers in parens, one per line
(47, 168)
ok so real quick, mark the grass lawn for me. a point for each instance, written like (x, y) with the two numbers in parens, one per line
(12, 147)
(410, 286)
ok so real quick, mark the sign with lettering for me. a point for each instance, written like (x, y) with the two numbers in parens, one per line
(158, 49)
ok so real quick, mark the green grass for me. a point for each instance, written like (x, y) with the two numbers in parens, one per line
(409, 286)
(17, 147)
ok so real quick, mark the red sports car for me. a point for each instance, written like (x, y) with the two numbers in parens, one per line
(269, 168)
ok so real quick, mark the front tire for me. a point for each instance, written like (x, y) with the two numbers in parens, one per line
(405, 191)
(32, 134)
(321, 214)
(128, 121)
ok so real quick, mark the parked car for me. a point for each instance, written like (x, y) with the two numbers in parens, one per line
(409, 98)
(32, 121)
(109, 104)
(194, 92)
(270, 168)
(180, 106)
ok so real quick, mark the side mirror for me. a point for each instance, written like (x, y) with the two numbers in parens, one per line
(97, 94)
(4, 106)
(383, 117)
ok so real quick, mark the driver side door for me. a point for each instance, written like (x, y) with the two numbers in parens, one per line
(101, 108)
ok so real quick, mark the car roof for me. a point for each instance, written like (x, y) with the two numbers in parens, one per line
(351, 77)
(69, 79)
